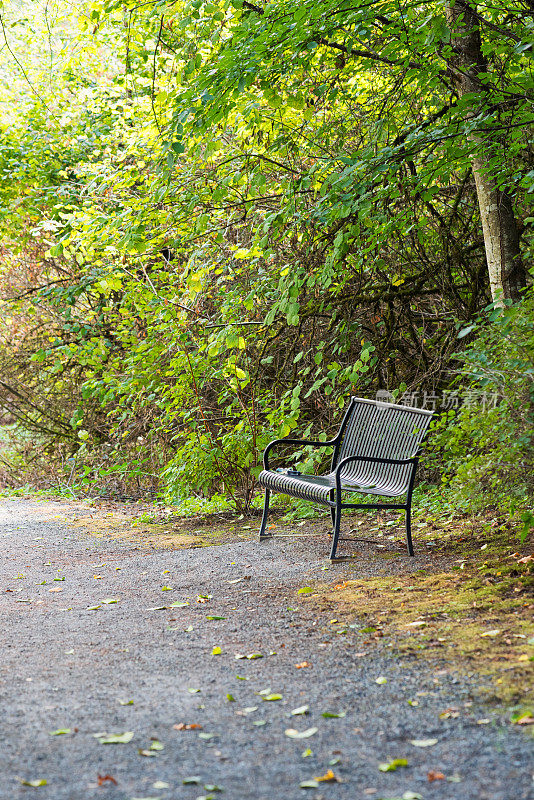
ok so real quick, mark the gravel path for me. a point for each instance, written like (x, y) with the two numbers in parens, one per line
(67, 667)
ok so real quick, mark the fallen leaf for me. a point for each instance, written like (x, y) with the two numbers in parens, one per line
(102, 779)
(160, 785)
(309, 784)
(192, 780)
(178, 604)
(56, 589)
(156, 745)
(449, 713)
(157, 608)
(145, 798)
(294, 734)
(523, 716)
(146, 753)
(432, 775)
(166, 588)
(117, 738)
(184, 726)
(216, 651)
(194, 691)
(328, 777)
(333, 715)
(300, 710)
(305, 590)
(60, 732)
(35, 783)
(381, 680)
(126, 702)
(244, 712)
(271, 697)
(393, 765)
(496, 632)
(93, 608)
(306, 753)
(214, 618)
(423, 742)
(303, 664)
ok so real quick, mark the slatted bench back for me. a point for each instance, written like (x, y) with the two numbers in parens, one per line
(381, 430)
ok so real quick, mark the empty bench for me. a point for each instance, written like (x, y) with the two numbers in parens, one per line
(376, 452)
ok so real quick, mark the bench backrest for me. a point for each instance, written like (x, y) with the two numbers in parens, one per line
(381, 430)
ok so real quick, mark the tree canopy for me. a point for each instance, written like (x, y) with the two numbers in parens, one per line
(220, 218)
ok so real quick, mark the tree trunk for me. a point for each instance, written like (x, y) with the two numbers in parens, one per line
(501, 236)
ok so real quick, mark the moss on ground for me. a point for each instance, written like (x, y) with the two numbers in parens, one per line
(173, 534)
(477, 616)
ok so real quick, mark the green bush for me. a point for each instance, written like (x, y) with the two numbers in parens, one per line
(486, 447)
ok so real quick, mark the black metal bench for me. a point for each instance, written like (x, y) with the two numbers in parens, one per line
(375, 453)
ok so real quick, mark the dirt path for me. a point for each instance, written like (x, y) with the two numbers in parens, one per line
(127, 668)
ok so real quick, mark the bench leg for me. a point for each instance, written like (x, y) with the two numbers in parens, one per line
(336, 519)
(409, 530)
(264, 535)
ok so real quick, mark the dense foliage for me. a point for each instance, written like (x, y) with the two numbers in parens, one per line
(227, 216)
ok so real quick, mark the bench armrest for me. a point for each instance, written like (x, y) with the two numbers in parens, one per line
(313, 442)
(372, 460)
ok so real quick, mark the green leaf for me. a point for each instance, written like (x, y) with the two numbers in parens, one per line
(333, 715)
(305, 590)
(117, 738)
(466, 331)
(126, 702)
(217, 651)
(35, 783)
(156, 746)
(300, 710)
(60, 732)
(309, 784)
(271, 697)
(393, 765)
(192, 780)
(214, 618)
